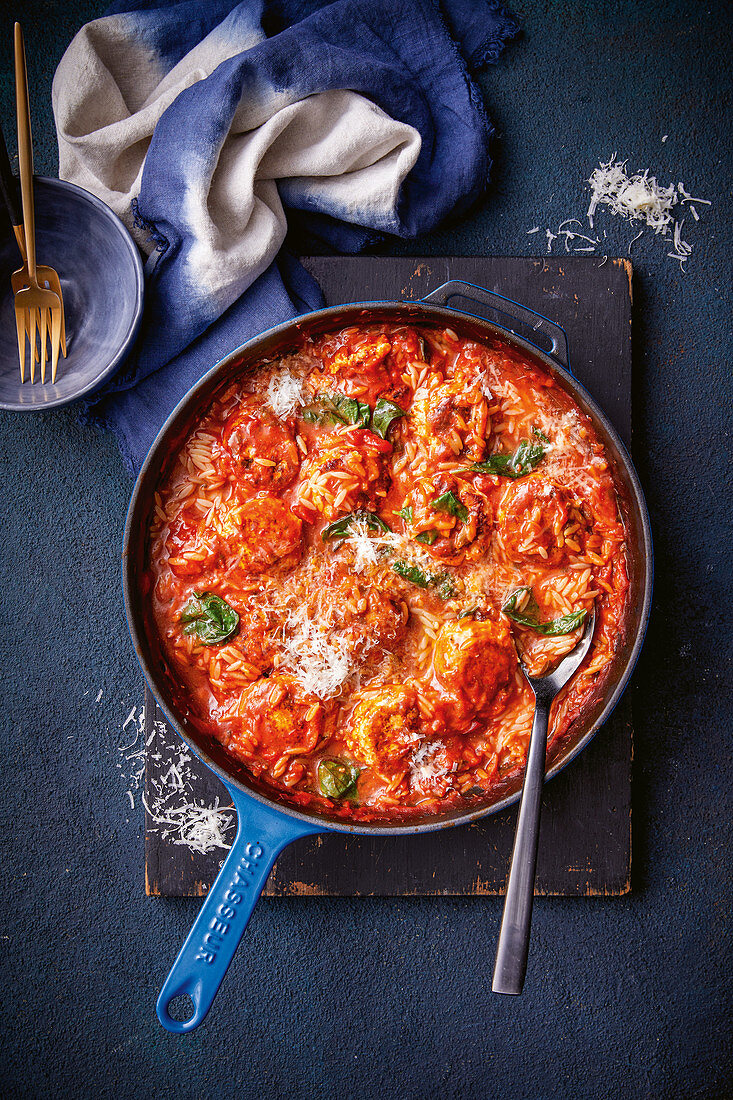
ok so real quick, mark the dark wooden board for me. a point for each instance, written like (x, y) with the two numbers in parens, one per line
(585, 842)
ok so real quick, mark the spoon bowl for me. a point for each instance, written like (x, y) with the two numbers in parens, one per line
(551, 683)
(511, 953)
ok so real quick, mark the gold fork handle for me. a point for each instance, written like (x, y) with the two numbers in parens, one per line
(25, 152)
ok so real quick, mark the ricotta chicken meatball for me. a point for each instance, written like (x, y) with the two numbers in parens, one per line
(450, 417)
(367, 618)
(260, 449)
(345, 470)
(259, 533)
(384, 726)
(540, 522)
(474, 663)
(448, 515)
(274, 718)
(369, 359)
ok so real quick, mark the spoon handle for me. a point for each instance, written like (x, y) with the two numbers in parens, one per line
(511, 953)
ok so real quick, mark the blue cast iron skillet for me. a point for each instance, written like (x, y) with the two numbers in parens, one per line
(265, 825)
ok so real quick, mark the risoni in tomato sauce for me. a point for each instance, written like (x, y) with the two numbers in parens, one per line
(354, 545)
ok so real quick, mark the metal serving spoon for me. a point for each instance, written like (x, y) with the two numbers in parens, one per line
(511, 953)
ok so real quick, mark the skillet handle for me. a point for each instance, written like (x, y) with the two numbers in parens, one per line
(520, 320)
(204, 959)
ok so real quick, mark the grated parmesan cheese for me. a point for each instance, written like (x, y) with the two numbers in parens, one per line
(171, 808)
(318, 657)
(200, 828)
(428, 762)
(636, 198)
(284, 393)
(364, 546)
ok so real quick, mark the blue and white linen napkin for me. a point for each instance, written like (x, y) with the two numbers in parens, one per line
(211, 128)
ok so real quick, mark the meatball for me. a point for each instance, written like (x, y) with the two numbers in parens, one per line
(190, 550)
(366, 617)
(344, 470)
(257, 638)
(451, 417)
(448, 516)
(407, 351)
(540, 522)
(384, 726)
(260, 449)
(475, 662)
(260, 533)
(370, 364)
(353, 354)
(274, 717)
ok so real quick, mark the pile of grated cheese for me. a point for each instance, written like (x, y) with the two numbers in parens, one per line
(317, 656)
(284, 393)
(637, 198)
(428, 762)
(171, 807)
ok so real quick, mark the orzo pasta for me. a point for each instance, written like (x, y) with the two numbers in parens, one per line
(352, 546)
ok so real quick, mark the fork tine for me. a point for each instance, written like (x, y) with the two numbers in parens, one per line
(34, 346)
(44, 325)
(62, 334)
(20, 327)
(56, 322)
(31, 315)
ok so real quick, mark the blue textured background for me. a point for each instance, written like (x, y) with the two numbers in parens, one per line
(377, 998)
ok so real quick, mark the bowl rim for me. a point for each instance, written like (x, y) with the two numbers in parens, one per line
(204, 389)
(129, 338)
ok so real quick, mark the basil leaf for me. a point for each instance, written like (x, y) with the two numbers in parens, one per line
(566, 624)
(522, 462)
(406, 513)
(210, 617)
(450, 503)
(335, 408)
(442, 582)
(361, 414)
(468, 614)
(527, 456)
(336, 778)
(412, 573)
(445, 586)
(384, 413)
(496, 464)
(339, 529)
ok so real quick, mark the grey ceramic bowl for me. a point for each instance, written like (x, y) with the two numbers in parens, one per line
(102, 283)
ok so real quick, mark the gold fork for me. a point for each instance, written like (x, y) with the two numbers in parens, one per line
(34, 304)
(19, 279)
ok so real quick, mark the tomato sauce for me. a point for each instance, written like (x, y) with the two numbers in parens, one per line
(357, 544)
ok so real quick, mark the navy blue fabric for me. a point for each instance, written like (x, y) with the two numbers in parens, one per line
(410, 59)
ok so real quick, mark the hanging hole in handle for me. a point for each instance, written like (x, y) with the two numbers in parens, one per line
(181, 1008)
(536, 334)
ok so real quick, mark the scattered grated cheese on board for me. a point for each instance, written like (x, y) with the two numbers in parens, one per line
(171, 808)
